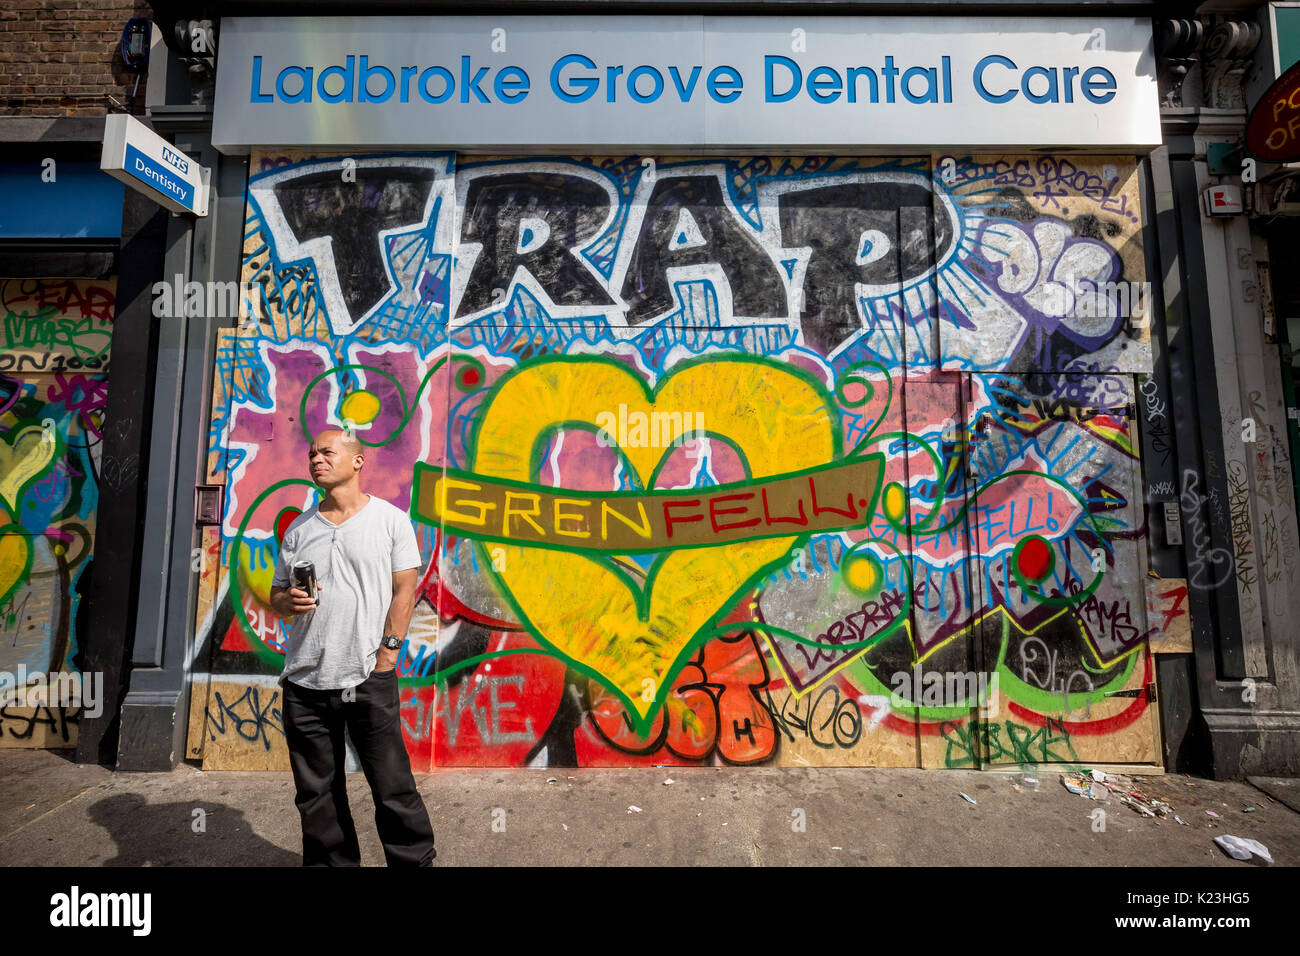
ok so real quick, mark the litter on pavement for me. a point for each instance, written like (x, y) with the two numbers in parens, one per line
(1242, 848)
(1075, 784)
(1098, 785)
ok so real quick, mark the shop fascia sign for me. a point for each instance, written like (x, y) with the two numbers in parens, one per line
(686, 82)
(139, 157)
(1273, 126)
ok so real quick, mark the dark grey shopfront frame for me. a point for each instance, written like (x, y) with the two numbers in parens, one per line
(156, 710)
(155, 713)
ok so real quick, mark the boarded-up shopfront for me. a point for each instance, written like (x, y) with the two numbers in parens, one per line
(819, 452)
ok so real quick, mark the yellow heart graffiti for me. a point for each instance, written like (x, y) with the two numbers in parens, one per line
(592, 611)
(23, 460)
(15, 560)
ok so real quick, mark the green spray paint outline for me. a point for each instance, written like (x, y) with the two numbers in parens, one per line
(424, 471)
(642, 725)
(236, 589)
(470, 364)
(1016, 688)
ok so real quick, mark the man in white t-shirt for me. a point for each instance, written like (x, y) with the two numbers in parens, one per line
(340, 668)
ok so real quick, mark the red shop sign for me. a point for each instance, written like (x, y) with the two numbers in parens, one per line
(1273, 127)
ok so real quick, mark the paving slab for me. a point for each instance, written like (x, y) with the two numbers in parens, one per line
(1285, 790)
(56, 813)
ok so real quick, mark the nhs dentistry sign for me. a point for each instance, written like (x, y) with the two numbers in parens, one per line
(686, 82)
(149, 164)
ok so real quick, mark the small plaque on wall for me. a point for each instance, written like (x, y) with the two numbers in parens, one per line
(207, 504)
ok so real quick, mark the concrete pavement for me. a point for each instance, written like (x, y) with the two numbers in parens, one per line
(54, 812)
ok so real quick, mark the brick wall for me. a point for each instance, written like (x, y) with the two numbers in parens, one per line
(62, 57)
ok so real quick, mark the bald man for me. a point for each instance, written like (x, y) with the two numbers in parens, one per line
(340, 667)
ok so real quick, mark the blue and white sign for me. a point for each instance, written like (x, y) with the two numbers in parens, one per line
(670, 82)
(149, 164)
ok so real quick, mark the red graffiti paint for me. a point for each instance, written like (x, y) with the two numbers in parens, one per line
(433, 590)
(494, 714)
(285, 518)
(711, 708)
(1179, 594)
(479, 688)
(1034, 559)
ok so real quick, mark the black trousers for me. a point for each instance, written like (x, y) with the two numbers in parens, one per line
(314, 721)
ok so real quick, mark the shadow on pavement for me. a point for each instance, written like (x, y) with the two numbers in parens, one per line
(164, 834)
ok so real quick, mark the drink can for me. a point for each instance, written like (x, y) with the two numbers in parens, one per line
(304, 577)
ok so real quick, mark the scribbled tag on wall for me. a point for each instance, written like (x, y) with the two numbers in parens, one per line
(54, 356)
(1048, 274)
(512, 324)
(1167, 613)
(56, 325)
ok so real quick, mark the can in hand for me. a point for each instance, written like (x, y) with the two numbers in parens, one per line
(304, 578)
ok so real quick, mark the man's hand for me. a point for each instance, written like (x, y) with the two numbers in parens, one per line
(286, 602)
(386, 660)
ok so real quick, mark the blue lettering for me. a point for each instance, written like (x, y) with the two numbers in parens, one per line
(304, 92)
(467, 84)
(408, 73)
(1050, 96)
(857, 71)
(587, 84)
(992, 525)
(390, 82)
(1103, 80)
(981, 66)
(824, 84)
(449, 84)
(511, 85)
(889, 72)
(769, 93)
(684, 92)
(656, 77)
(725, 83)
(257, 95)
(932, 81)
(344, 95)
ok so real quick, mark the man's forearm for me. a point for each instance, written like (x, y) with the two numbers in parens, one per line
(398, 618)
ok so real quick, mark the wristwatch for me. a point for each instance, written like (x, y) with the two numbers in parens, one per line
(392, 642)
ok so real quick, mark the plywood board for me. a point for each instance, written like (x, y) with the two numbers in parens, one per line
(1167, 616)
(243, 726)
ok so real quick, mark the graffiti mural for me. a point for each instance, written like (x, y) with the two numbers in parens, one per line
(759, 461)
(54, 361)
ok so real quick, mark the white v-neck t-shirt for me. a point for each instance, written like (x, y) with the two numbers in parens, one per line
(335, 645)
